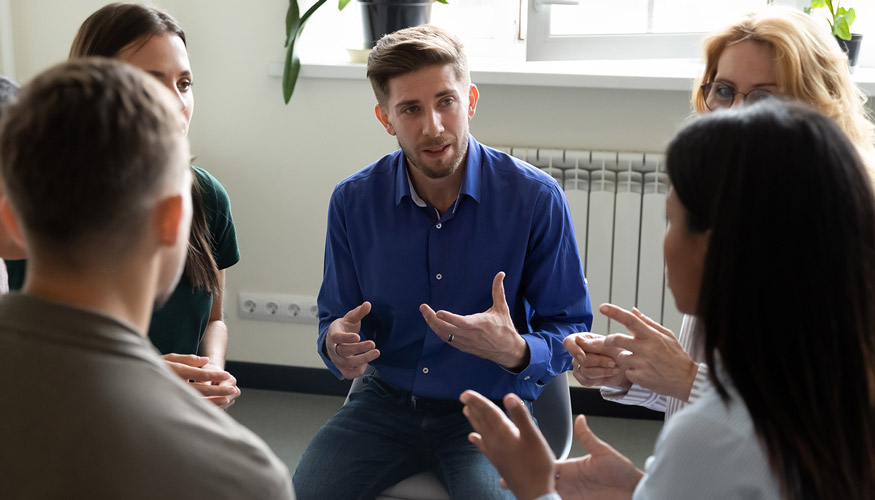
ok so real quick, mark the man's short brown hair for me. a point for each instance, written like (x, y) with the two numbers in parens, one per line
(412, 49)
(84, 149)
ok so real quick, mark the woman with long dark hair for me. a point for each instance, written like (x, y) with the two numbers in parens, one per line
(189, 330)
(771, 245)
(772, 52)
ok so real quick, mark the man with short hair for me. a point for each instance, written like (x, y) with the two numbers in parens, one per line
(95, 166)
(444, 224)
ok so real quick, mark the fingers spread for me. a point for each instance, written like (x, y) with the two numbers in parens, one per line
(482, 413)
(519, 414)
(652, 324)
(438, 326)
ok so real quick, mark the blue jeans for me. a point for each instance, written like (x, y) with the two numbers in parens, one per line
(375, 441)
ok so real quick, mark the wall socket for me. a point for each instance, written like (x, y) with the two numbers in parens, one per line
(278, 307)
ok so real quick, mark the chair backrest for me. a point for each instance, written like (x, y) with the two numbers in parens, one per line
(552, 409)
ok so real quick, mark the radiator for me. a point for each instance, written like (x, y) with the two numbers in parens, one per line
(617, 203)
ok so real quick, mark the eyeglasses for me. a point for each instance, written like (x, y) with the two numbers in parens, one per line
(719, 95)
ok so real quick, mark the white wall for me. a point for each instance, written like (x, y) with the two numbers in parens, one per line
(280, 163)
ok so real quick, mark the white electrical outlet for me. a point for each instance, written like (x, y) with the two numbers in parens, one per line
(278, 307)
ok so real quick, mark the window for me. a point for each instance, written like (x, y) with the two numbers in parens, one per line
(628, 29)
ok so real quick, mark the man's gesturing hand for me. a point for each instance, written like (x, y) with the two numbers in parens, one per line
(343, 343)
(489, 335)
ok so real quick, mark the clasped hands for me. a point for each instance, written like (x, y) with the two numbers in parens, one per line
(489, 335)
(651, 356)
(215, 384)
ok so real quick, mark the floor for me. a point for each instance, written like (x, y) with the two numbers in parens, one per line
(287, 421)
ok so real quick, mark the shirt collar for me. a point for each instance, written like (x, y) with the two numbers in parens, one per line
(470, 182)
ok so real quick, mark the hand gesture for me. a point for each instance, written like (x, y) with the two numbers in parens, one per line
(489, 335)
(604, 473)
(216, 385)
(653, 357)
(516, 448)
(344, 345)
(592, 363)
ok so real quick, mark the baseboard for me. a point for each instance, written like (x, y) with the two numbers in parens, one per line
(322, 381)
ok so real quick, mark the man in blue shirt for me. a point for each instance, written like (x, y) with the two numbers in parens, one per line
(444, 224)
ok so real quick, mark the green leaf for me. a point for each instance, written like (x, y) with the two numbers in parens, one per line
(341, 4)
(293, 65)
(293, 18)
(290, 72)
(852, 16)
(841, 27)
(442, 1)
(816, 4)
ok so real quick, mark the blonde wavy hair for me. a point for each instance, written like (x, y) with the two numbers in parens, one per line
(810, 68)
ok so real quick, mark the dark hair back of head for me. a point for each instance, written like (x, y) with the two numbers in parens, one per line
(412, 49)
(82, 152)
(788, 291)
(115, 26)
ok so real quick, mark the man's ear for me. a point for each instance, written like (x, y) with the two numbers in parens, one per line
(473, 97)
(168, 216)
(9, 218)
(383, 117)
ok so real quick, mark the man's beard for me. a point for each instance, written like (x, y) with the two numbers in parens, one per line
(443, 169)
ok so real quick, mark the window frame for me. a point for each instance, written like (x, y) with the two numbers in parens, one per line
(542, 46)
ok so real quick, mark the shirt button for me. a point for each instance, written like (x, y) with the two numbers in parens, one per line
(439, 276)
(425, 370)
(526, 377)
(439, 225)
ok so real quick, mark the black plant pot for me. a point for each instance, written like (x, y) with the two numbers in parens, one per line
(851, 47)
(380, 17)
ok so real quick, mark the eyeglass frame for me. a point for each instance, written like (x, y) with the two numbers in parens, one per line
(705, 87)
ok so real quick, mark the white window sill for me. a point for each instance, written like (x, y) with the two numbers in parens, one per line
(666, 74)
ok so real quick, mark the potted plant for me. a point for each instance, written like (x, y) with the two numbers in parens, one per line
(840, 20)
(378, 18)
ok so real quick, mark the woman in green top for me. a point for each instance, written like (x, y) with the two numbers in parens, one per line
(191, 321)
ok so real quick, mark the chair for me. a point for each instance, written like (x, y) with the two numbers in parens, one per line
(553, 411)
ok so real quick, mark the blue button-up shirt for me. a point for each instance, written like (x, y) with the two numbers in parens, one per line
(384, 247)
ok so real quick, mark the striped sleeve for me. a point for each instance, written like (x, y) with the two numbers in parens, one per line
(635, 395)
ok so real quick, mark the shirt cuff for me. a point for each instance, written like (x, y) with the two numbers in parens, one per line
(635, 395)
(538, 356)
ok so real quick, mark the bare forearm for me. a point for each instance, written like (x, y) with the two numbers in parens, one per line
(214, 344)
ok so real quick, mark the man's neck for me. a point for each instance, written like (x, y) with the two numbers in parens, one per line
(123, 293)
(440, 193)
